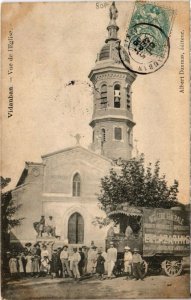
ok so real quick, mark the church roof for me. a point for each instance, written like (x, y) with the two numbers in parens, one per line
(78, 146)
(110, 52)
(22, 177)
(22, 180)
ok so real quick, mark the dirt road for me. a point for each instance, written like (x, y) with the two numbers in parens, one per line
(118, 288)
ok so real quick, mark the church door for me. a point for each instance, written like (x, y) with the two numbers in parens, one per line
(76, 229)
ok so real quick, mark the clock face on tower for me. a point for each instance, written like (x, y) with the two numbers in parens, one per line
(35, 172)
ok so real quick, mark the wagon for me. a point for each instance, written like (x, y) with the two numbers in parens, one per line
(161, 235)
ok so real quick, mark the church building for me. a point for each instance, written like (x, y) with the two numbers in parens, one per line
(66, 183)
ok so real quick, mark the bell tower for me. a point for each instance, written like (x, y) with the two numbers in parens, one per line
(112, 119)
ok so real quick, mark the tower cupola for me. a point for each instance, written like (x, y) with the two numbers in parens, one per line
(112, 119)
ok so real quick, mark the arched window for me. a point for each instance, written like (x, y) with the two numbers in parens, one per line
(103, 93)
(117, 96)
(76, 185)
(76, 229)
(103, 135)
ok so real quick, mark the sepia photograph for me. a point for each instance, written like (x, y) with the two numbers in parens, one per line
(95, 150)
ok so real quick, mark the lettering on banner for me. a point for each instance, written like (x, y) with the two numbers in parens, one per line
(166, 239)
(160, 248)
(158, 216)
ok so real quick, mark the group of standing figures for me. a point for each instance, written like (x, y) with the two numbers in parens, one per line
(40, 260)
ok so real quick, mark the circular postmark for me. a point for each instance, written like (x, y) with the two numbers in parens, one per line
(148, 48)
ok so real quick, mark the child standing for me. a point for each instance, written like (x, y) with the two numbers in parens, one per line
(100, 265)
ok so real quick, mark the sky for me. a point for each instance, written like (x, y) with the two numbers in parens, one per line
(55, 43)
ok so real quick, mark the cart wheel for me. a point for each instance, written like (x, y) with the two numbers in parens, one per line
(172, 268)
(144, 267)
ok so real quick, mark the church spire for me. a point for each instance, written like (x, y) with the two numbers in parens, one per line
(112, 27)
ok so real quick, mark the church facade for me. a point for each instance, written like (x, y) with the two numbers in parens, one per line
(66, 183)
(63, 186)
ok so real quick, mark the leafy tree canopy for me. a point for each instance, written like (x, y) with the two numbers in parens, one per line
(8, 208)
(8, 220)
(133, 183)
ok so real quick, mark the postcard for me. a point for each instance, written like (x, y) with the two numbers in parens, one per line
(95, 150)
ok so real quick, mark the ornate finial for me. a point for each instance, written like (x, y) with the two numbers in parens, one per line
(77, 137)
(113, 12)
(112, 27)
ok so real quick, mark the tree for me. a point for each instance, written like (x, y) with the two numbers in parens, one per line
(133, 183)
(8, 221)
(8, 208)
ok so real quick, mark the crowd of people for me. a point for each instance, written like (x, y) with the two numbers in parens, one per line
(40, 260)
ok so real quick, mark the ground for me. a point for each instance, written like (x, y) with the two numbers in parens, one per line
(46, 288)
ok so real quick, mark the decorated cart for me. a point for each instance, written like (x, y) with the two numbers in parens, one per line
(161, 235)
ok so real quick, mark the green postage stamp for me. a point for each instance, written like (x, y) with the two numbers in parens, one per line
(147, 38)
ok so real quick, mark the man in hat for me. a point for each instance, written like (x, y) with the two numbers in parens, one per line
(55, 263)
(64, 255)
(26, 258)
(85, 251)
(81, 262)
(127, 261)
(36, 255)
(75, 259)
(137, 261)
(111, 259)
(60, 273)
(38, 250)
(92, 258)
